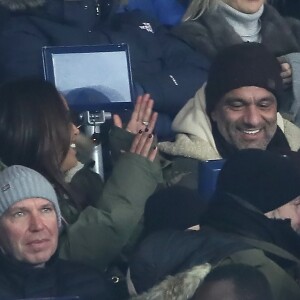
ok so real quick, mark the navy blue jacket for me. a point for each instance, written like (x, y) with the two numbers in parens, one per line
(59, 278)
(163, 65)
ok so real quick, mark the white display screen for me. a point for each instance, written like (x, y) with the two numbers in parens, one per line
(86, 78)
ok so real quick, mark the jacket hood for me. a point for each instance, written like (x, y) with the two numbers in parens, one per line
(14, 5)
(179, 287)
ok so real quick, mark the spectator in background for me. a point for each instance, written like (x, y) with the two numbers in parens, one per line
(237, 109)
(162, 65)
(30, 220)
(210, 26)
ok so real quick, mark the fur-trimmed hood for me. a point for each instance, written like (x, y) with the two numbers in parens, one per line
(14, 5)
(179, 287)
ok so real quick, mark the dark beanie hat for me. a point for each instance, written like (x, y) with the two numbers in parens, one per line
(245, 64)
(264, 179)
(174, 207)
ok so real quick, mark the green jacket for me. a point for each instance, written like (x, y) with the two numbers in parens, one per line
(282, 282)
(99, 233)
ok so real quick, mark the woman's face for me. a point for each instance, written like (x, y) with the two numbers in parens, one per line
(71, 160)
(245, 6)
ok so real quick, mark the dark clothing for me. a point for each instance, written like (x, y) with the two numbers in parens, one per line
(59, 278)
(278, 143)
(211, 33)
(88, 185)
(157, 9)
(178, 251)
(289, 8)
(233, 232)
(163, 65)
(230, 214)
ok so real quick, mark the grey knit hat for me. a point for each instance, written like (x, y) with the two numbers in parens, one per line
(19, 183)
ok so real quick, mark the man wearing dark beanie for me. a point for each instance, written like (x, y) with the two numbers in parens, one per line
(237, 109)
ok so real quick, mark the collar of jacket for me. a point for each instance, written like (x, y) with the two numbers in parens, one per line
(23, 269)
(15, 5)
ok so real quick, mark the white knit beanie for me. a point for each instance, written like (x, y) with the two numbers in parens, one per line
(19, 183)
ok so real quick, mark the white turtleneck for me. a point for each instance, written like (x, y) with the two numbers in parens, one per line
(247, 26)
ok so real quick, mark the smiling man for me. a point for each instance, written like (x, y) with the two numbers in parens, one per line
(237, 109)
(30, 219)
(243, 93)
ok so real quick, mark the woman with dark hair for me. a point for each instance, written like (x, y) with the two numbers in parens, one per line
(36, 131)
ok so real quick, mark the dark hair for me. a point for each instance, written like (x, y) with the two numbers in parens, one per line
(249, 283)
(34, 128)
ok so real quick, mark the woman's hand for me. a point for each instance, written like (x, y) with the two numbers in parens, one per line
(142, 116)
(142, 145)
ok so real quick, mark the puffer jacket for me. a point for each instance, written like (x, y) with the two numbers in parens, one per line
(97, 235)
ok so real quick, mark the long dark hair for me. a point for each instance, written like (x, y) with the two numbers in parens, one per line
(34, 128)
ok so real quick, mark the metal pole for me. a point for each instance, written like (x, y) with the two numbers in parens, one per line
(92, 127)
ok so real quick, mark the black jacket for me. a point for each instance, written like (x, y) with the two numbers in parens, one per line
(59, 278)
(163, 65)
(170, 252)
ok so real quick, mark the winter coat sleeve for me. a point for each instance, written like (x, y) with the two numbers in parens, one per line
(294, 110)
(100, 232)
(283, 286)
(119, 140)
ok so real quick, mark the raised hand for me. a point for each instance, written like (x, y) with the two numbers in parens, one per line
(142, 145)
(142, 116)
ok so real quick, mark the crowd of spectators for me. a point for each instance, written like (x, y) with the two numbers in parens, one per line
(213, 79)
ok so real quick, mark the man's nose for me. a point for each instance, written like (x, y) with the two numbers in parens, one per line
(252, 116)
(36, 223)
